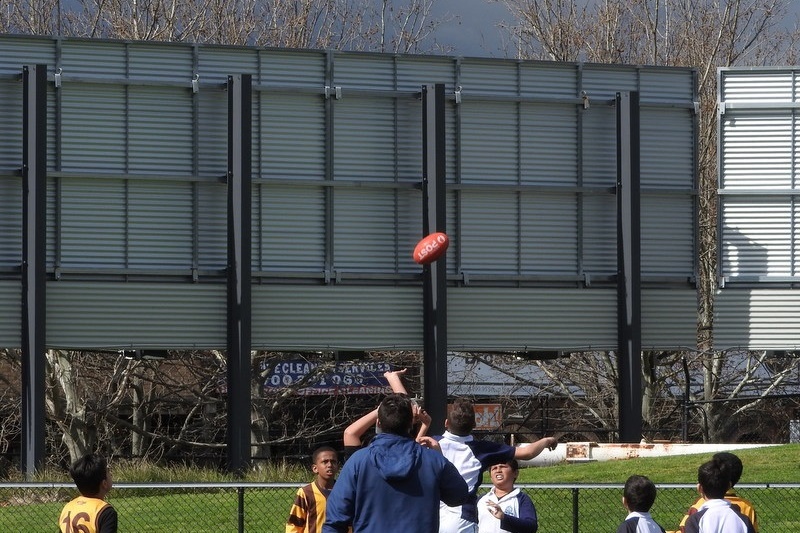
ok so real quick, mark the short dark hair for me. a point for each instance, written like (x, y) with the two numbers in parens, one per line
(461, 417)
(513, 463)
(316, 453)
(640, 493)
(714, 478)
(88, 472)
(734, 464)
(395, 414)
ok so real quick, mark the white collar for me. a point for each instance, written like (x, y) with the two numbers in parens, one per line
(512, 494)
(457, 438)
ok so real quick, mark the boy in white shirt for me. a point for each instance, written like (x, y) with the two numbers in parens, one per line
(638, 497)
(506, 508)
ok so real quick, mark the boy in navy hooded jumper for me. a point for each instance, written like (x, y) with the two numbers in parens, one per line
(394, 484)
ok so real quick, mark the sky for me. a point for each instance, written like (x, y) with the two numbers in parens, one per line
(473, 29)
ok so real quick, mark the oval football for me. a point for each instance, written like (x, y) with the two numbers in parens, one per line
(431, 248)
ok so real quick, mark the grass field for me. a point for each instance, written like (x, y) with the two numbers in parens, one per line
(592, 488)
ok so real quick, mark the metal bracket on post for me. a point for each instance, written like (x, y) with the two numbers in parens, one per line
(335, 92)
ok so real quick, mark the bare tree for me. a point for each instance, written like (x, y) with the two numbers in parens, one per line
(386, 26)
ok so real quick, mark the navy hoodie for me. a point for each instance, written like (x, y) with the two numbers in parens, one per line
(394, 484)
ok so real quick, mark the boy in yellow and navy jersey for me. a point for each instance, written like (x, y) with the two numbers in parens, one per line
(89, 512)
(735, 468)
(308, 511)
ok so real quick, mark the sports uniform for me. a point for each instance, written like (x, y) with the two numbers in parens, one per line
(308, 510)
(745, 507)
(88, 515)
(718, 516)
(638, 522)
(472, 458)
(518, 510)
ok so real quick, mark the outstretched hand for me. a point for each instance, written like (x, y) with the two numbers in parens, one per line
(429, 442)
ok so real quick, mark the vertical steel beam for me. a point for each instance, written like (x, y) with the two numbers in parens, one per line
(240, 119)
(629, 295)
(435, 274)
(34, 222)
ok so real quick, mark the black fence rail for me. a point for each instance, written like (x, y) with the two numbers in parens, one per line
(264, 507)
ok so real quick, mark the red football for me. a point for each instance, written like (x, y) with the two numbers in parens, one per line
(431, 248)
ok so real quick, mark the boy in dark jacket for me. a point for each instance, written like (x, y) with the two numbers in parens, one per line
(394, 484)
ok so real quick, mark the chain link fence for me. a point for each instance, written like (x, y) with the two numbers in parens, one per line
(264, 507)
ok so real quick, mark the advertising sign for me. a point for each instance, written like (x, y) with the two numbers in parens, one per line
(346, 377)
(488, 416)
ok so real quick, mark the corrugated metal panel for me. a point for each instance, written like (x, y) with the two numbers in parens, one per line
(599, 145)
(758, 85)
(530, 319)
(290, 225)
(603, 82)
(216, 63)
(94, 128)
(364, 139)
(292, 136)
(489, 232)
(88, 58)
(160, 224)
(549, 145)
(10, 222)
(667, 151)
(366, 229)
(549, 80)
(414, 71)
(489, 127)
(549, 234)
(51, 226)
(409, 142)
(171, 221)
(93, 223)
(143, 315)
(357, 71)
(212, 134)
(483, 76)
(212, 225)
(599, 235)
(10, 314)
(162, 62)
(660, 85)
(160, 138)
(757, 319)
(757, 237)
(758, 149)
(293, 69)
(336, 317)
(669, 319)
(19, 50)
(667, 236)
(11, 124)
(758, 175)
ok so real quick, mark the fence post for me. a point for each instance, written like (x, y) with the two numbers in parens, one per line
(575, 510)
(240, 493)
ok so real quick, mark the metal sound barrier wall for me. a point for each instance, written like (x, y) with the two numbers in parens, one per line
(136, 160)
(758, 304)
